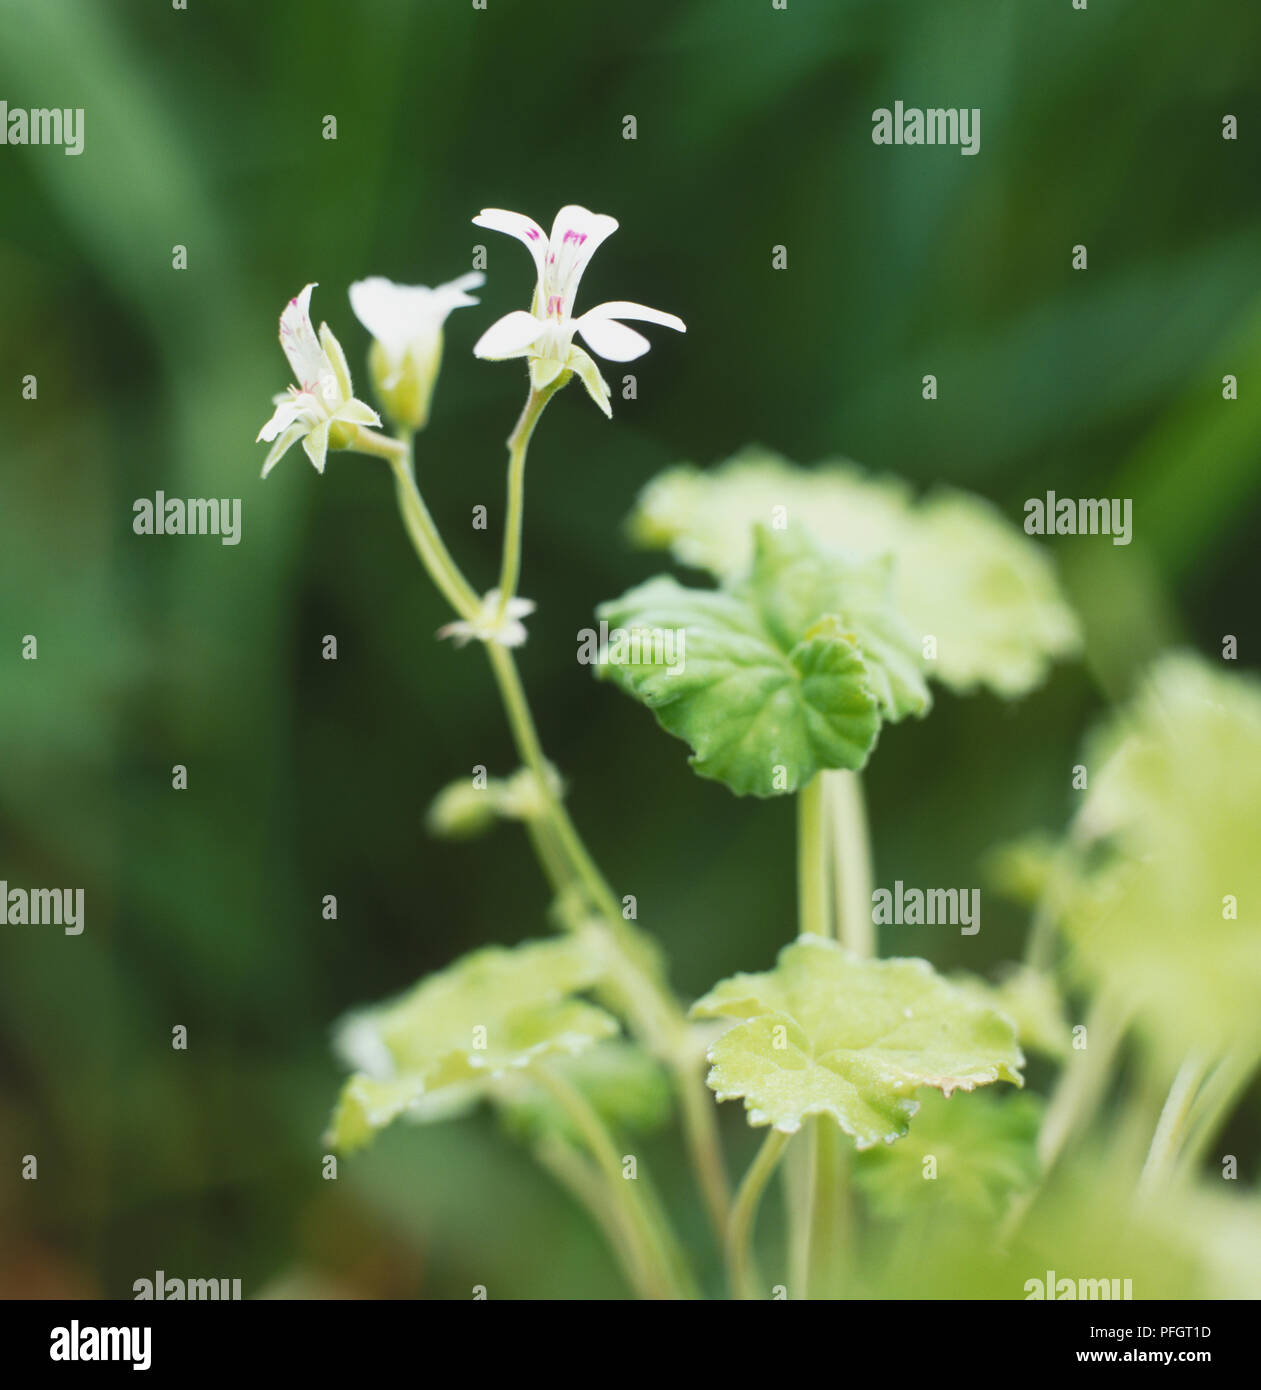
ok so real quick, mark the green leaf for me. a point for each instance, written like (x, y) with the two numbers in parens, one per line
(1021, 870)
(826, 1033)
(1164, 902)
(626, 1087)
(963, 574)
(796, 587)
(492, 1013)
(790, 669)
(983, 1151)
(1030, 999)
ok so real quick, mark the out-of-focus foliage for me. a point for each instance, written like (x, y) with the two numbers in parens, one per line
(963, 576)
(309, 778)
(490, 1014)
(1165, 909)
(970, 1155)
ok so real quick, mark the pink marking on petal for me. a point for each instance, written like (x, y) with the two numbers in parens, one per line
(532, 233)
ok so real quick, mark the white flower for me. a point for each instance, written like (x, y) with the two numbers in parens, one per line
(406, 326)
(488, 626)
(545, 334)
(323, 403)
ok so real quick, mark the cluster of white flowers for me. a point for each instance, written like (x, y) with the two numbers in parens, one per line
(406, 323)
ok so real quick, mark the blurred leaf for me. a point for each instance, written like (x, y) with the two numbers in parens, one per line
(625, 1086)
(826, 1033)
(1166, 903)
(983, 1150)
(492, 1012)
(963, 575)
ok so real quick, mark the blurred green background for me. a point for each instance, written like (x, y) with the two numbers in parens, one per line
(307, 777)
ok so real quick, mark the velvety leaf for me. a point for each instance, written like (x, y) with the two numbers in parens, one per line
(826, 1033)
(747, 703)
(963, 574)
(492, 1013)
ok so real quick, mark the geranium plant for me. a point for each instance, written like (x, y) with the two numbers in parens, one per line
(837, 600)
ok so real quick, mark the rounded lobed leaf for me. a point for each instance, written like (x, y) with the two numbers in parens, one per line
(963, 574)
(827, 1033)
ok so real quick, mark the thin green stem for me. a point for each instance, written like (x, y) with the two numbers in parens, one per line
(428, 544)
(657, 1019)
(655, 1015)
(834, 899)
(655, 1272)
(740, 1261)
(518, 446)
(798, 1174)
(1171, 1127)
(1082, 1082)
(1216, 1099)
(827, 1219)
(812, 874)
(584, 1182)
(851, 860)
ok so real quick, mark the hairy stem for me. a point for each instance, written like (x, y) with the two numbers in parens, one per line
(812, 874)
(1216, 1099)
(740, 1262)
(1078, 1092)
(654, 1013)
(518, 446)
(1171, 1127)
(851, 860)
(653, 1268)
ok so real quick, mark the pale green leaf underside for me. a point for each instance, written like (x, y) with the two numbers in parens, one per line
(491, 1013)
(964, 574)
(826, 1033)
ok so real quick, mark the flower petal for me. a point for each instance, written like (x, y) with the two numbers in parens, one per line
(400, 317)
(576, 233)
(597, 387)
(625, 309)
(357, 412)
(282, 447)
(509, 336)
(612, 340)
(460, 287)
(316, 445)
(381, 308)
(525, 229)
(337, 360)
(288, 411)
(306, 358)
